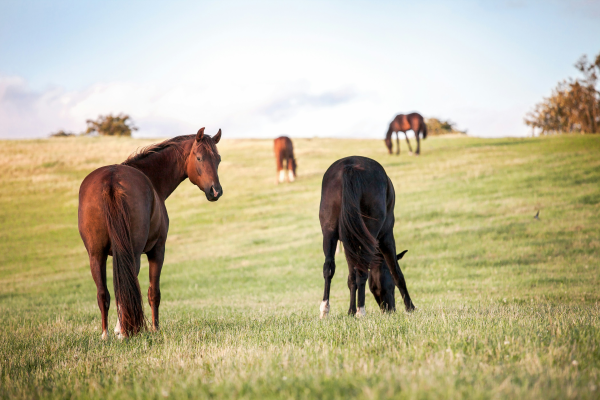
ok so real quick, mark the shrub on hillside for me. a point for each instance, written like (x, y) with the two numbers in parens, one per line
(109, 125)
(437, 127)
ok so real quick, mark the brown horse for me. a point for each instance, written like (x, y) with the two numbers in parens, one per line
(122, 214)
(284, 151)
(357, 207)
(403, 123)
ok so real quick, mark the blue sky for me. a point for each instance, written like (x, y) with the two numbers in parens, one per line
(304, 69)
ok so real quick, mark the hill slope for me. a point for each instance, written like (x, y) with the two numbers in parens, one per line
(508, 306)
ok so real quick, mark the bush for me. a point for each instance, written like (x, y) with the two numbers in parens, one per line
(120, 125)
(437, 127)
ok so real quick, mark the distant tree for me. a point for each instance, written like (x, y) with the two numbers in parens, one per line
(62, 133)
(120, 125)
(440, 127)
(574, 105)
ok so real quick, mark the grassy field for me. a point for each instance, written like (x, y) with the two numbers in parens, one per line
(508, 306)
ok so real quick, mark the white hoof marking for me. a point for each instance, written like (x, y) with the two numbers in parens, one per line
(104, 335)
(291, 176)
(118, 327)
(324, 308)
(282, 175)
(361, 312)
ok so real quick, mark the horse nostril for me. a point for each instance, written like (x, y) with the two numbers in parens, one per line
(215, 194)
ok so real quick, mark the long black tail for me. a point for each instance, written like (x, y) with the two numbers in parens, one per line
(361, 247)
(126, 285)
(424, 130)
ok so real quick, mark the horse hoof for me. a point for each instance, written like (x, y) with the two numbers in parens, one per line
(361, 312)
(104, 335)
(324, 308)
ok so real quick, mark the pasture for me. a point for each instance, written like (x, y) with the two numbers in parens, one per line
(507, 306)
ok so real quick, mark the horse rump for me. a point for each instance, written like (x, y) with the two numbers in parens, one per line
(362, 249)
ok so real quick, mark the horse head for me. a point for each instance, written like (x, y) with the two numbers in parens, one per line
(388, 143)
(203, 163)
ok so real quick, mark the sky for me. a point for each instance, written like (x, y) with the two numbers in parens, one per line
(263, 69)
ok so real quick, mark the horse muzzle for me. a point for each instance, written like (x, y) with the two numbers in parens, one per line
(214, 192)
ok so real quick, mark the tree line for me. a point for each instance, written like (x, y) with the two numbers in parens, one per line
(573, 106)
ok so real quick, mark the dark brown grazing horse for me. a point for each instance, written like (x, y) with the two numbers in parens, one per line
(357, 207)
(382, 285)
(122, 214)
(403, 123)
(284, 151)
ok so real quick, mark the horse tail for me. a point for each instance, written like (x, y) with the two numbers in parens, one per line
(424, 129)
(127, 288)
(360, 246)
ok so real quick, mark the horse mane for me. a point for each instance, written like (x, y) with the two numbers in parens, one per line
(145, 152)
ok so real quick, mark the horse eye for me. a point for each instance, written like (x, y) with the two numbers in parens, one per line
(199, 158)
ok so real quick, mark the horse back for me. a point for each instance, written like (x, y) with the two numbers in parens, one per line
(146, 218)
(406, 122)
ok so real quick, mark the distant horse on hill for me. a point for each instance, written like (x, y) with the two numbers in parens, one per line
(122, 213)
(284, 153)
(357, 207)
(403, 123)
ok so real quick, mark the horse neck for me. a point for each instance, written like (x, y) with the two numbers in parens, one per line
(166, 169)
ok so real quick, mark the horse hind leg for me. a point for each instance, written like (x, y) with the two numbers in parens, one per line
(290, 168)
(98, 268)
(397, 143)
(280, 171)
(330, 240)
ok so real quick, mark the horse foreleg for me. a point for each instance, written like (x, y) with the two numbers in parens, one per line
(156, 258)
(388, 249)
(408, 142)
(361, 280)
(352, 288)
(330, 240)
(418, 143)
(98, 268)
(398, 143)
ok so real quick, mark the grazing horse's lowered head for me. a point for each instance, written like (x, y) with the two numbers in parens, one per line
(202, 165)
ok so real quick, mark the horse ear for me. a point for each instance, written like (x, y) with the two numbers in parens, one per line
(399, 256)
(217, 137)
(200, 134)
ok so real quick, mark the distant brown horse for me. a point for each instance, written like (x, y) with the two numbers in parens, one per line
(357, 207)
(122, 214)
(403, 123)
(284, 153)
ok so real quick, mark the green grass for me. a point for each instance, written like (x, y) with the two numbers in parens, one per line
(508, 306)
